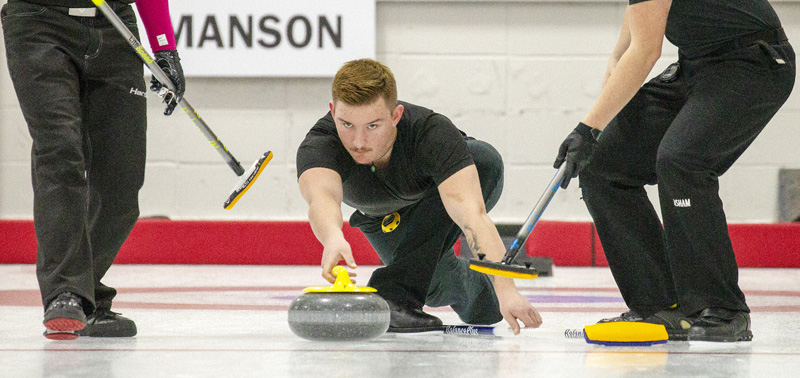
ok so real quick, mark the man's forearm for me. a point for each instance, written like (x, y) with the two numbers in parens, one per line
(482, 237)
(641, 39)
(326, 221)
(626, 79)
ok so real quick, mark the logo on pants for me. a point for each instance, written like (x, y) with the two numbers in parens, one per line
(686, 202)
(136, 91)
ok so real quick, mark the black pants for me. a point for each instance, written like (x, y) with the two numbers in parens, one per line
(421, 266)
(683, 135)
(81, 90)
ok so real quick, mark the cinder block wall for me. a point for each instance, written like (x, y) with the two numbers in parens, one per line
(518, 74)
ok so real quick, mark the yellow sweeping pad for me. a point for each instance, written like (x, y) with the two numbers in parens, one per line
(247, 179)
(625, 333)
(503, 270)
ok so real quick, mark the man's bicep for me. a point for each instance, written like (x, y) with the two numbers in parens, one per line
(461, 195)
(318, 183)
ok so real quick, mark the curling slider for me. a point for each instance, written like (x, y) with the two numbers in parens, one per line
(608, 334)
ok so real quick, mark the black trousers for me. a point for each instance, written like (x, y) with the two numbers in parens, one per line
(81, 90)
(420, 264)
(682, 135)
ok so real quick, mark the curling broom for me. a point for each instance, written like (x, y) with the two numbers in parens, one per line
(609, 334)
(246, 178)
(508, 267)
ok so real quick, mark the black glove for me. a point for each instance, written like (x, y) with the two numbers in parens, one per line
(577, 149)
(170, 63)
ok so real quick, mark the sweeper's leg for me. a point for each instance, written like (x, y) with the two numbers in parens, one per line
(613, 189)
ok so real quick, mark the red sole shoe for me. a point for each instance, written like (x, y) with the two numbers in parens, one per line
(60, 335)
(64, 324)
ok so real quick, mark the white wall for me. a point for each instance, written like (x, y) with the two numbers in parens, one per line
(518, 74)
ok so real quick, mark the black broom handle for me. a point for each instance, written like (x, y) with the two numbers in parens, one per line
(527, 228)
(162, 77)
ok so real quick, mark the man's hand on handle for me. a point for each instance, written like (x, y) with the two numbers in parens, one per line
(332, 254)
(170, 63)
(577, 150)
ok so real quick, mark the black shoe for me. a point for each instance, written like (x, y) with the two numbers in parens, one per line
(405, 319)
(63, 317)
(676, 323)
(106, 323)
(719, 324)
(627, 316)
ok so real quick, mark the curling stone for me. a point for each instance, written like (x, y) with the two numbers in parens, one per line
(342, 312)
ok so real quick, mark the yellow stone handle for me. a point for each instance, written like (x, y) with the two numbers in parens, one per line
(342, 278)
(341, 285)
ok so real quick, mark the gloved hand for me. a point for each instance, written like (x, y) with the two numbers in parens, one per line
(170, 63)
(577, 149)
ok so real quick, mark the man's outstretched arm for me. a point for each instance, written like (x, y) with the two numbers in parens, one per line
(462, 198)
(322, 190)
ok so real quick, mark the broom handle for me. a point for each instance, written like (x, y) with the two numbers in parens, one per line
(534, 216)
(164, 79)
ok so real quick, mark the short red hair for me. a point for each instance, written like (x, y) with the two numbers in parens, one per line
(362, 81)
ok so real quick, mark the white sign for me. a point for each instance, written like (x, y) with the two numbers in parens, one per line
(284, 38)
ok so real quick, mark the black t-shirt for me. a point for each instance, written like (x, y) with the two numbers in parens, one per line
(428, 150)
(698, 27)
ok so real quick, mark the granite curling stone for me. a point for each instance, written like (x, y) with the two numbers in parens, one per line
(342, 312)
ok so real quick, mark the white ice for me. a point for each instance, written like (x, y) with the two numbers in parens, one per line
(231, 321)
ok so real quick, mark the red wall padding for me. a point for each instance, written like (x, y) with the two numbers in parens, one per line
(233, 242)
(766, 246)
(568, 243)
(156, 241)
(774, 245)
(17, 242)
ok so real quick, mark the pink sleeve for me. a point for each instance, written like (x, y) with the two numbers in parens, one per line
(157, 23)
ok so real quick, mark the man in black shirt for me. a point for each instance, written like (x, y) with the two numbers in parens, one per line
(417, 182)
(682, 130)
